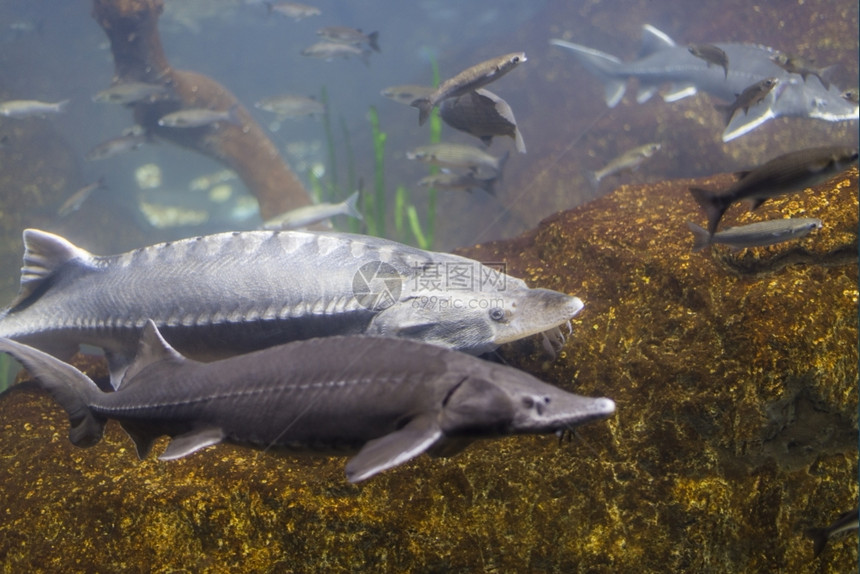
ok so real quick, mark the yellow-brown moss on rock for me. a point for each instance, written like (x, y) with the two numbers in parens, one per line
(735, 431)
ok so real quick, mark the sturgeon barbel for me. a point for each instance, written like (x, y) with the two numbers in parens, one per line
(386, 400)
(221, 295)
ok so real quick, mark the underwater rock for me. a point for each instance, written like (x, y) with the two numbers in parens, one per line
(132, 27)
(38, 170)
(736, 430)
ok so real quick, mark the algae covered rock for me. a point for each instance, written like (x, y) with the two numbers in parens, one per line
(736, 386)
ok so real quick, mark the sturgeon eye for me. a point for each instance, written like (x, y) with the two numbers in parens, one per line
(535, 403)
(497, 314)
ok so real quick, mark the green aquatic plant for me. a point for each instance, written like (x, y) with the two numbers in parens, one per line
(399, 210)
(354, 224)
(415, 226)
(330, 145)
(375, 204)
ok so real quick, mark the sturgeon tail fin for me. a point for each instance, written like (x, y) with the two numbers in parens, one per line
(71, 388)
(603, 65)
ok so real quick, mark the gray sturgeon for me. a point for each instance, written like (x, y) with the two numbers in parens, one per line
(389, 400)
(662, 61)
(221, 295)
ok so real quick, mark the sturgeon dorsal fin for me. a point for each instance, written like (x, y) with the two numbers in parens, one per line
(192, 441)
(44, 253)
(654, 40)
(395, 448)
(151, 349)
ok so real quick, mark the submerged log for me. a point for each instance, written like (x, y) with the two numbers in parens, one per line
(132, 27)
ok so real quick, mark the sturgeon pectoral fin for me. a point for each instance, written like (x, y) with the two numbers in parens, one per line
(395, 448)
(645, 93)
(742, 123)
(679, 92)
(190, 442)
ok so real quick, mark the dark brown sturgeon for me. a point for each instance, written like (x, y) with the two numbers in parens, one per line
(389, 400)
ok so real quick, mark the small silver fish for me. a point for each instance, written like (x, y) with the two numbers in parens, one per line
(755, 234)
(115, 146)
(351, 36)
(820, 536)
(329, 51)
(751, 96)
(74, 202)
(482, 114)
(459, 156)
(293, 10)
(311, 214)
(631, 159)
(468, 80)
(407, 93)
(28, 108)
(290, 106)
(131, 92)
(464, 181)
(784, 174)
(199, 117)
(797, 65)
(711, 54)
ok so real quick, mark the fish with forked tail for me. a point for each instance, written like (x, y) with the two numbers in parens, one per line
(464, 181)
(221, 295)
(385, 400)
(787, 173)
(711, 54)
(468, 80)
(29, 108)
(460, 156)
(755, 234)
(311, 214)
(351, 36)
(662, 61)
(797, 65)
(629, 160)
(200, 117)
(751, 96)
